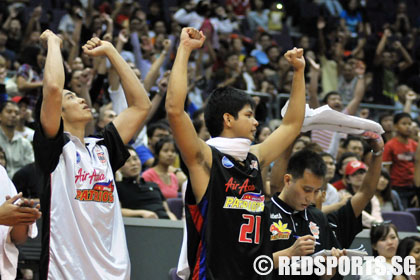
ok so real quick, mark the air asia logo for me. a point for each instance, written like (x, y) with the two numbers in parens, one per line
(83, 176)
(279, 231)
(233, 185)
(253, 202)
(101, 192)
(227, 163)
(314, 229)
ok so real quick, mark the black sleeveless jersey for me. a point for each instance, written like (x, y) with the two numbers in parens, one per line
(226, 230)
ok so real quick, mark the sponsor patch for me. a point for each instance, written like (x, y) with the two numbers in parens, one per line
(227, 163)
(252, 202)
(77, 157)
(279, 231)
(314, 229)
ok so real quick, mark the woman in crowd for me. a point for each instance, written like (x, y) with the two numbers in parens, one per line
(384, 241)
(410, 246)
(389, 200)
(165, 155)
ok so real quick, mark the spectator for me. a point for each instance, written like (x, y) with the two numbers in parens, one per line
(409, 246)
(341, 169)
(389, 200)
(257, 16)
(384, 242)
(18, 150)
(354, 145)
(386, 121)
(139, 198)
(25, 118)
(399, 160)
(160, 174)
(355, 173)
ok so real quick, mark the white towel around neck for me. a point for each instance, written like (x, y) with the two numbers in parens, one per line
(238, 148)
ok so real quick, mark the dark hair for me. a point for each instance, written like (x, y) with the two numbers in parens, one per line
(399, 116)
(157, 125)
(386, 193)
(379, 232)
(325, 99)
(259, 130)
(383, 116)
(351, 138)
(129, 147)
(406, 245)
(159, 145)
(343, 157)
(306, 159)
(224, 100)
(4, 104)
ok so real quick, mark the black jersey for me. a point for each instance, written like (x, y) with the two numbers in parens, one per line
(286, 225)
(225, 230)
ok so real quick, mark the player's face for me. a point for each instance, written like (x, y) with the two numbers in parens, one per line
(75, 108)
(387, 246)
(245, 125)
(302, 192)
(132, 166)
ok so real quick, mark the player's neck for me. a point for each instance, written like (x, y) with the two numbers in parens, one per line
(76, 130)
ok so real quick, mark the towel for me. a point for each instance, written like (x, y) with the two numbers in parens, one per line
(237, 148)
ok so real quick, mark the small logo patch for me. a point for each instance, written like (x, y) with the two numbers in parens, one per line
(254, 164)
(314, 229)
(227, 163)
(279, 231)
(77, 157)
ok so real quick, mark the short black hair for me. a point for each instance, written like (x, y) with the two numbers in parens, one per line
(306, 159)
(157, 125)
(383, 116)
(4, 104)
(351, 138)
(224, 100)
(399, 116)
(325, 99)
(379, 232)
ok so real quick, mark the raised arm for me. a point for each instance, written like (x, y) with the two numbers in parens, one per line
(195, 153)
(359, 90)
(370, 182)
(314, 72)
(138, 103)
(53, 85)
(285, 134)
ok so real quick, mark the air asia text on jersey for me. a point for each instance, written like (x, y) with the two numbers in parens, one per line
(100, 192)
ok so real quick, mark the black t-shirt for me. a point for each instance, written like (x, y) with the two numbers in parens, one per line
(225, 230)
(143, 195)
(345, 225)
(286, 225)
(29, 188)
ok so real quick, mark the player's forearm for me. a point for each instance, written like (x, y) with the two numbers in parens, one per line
(53, 71)
(177, 89)
(19, 234)
(296, 110)
(135, 93)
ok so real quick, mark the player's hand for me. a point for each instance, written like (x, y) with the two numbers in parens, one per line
(303, 246)
(49, 35)
(12, 214)
(334, 253)
(295, 58)
(191, 38)
(97, 47)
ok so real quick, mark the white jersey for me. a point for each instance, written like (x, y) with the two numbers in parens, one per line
(83, 229)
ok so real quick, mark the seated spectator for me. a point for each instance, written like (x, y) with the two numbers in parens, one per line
(257, 17)
(155, 132)
(398, 159)
(341, 169)
(160, 173)
(354, 145)
(354, 175)
(384, 241)
(139, 198)
(409, 246)
(389, 200)
(25, 118)
(18, 150)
